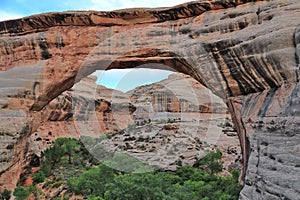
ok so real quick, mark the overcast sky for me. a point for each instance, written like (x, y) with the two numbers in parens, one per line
(118, 79)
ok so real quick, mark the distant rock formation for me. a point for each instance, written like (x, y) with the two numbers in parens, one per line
(171, 95)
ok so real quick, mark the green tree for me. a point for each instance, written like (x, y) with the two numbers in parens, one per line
(62, 147)
(21, 193)
(5, 195)
(190, 190)
(50, 157)
(235, 174)
(69, 146)
(225, 197)
(95, 198)
(186, 183)
(190, 173)
(137, 186)
(211, 162)
(39, 177)
(93, 181)
(104, 182)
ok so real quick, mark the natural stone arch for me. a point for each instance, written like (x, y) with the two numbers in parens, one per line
(244, 51)
(151, 58)
(160, 60)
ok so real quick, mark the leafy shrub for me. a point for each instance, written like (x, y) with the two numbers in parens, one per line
(5, 195)
(21, 193)
(211, 162)
(39, 177)
(68, 150)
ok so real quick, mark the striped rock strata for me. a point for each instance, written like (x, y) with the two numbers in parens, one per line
(233, 47)
(271, 125)
(171, 95)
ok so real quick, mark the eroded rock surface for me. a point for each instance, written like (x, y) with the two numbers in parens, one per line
(271, 119)
(232, 47)
(171, 95)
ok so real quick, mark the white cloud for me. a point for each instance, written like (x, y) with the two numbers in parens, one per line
(7, 15)
(120, 4)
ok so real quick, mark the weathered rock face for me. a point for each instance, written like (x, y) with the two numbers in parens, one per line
(171, 95)
(271, 121)
(15, 127)
(234, 48)
(86, 103)
(179, 142)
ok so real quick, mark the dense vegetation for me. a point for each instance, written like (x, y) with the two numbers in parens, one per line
(185, 183)
(69, 165)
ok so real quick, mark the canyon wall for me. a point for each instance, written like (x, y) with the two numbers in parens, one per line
(85, 103)
(171, 95)
(271, 122)
(245, 51)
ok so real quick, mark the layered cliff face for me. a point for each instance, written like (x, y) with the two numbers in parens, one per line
(171, 95)
(271, 122)
(235, 48)
(86, 104)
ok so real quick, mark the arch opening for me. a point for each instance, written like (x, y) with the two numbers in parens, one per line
(178, 105)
